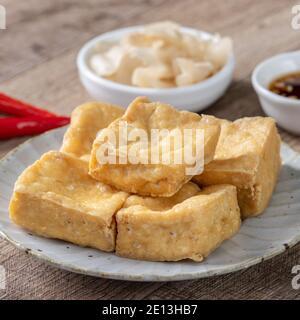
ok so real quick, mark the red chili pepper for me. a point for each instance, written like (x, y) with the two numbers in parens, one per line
(16, 127)
(21, 109)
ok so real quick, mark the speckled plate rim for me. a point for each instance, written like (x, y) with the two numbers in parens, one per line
(154, 278)
(122, 276)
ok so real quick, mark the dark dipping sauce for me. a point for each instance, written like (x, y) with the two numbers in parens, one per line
(287, 85)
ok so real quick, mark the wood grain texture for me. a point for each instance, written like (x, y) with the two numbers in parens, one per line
(37, 58)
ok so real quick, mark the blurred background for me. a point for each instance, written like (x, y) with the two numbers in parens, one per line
(42, 38)
(37, 64)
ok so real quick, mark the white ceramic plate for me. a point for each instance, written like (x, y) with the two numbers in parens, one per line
(259, 238)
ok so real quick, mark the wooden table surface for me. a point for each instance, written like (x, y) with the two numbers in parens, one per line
(37, 59)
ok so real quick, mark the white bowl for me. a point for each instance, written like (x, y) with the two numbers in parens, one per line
(286, 111)
(194, 98)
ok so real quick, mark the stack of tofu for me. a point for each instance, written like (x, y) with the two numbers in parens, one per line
(149, 211)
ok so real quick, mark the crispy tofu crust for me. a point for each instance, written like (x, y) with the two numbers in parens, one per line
(190, 224)
(152, 179)
(56, 198)
(68, 195)
(86, 121)
(247, 156)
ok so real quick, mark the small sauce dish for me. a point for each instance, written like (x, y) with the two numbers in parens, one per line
(285, 110)
(195, 97)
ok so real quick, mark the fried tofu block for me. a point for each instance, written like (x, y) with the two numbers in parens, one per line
(56, 198)
(148, 178)
(86, 121)
(247, 156)
(190, 224)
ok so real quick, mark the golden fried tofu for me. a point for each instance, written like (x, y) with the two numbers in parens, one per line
(150, 178)
(86, 121)
(56, 198)
(190, 224)
(247, 156)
